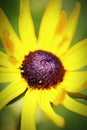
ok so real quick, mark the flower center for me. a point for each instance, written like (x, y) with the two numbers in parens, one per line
(42, 69)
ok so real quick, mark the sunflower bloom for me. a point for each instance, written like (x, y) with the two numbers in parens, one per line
(45, 68)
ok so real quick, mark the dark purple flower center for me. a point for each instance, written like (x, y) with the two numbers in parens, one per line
(42, 69)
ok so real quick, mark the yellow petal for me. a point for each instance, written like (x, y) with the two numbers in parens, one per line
(8, 77)
(50, 93)
(11, 91)
(5, 63)
(45, 106)
(76, 57)
(26, 26)
(3, 55)
(9, 38)
(29, 110)
(9, 70)
(55, 95)
(59, 96)
(69, 30)
(8, 61)
(49, 23)
(58, 35)
(75, 81)
(62, 22)
(75, 106)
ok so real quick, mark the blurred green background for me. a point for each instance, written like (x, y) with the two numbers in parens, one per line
(10, 115)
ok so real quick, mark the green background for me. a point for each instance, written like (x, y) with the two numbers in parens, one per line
(10, 115)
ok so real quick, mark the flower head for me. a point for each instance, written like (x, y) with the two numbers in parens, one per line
(47, 68)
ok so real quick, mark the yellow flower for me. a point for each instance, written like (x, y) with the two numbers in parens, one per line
(46, 68)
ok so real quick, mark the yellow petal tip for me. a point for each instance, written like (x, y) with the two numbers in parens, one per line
(78, 5)
(62, 123)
